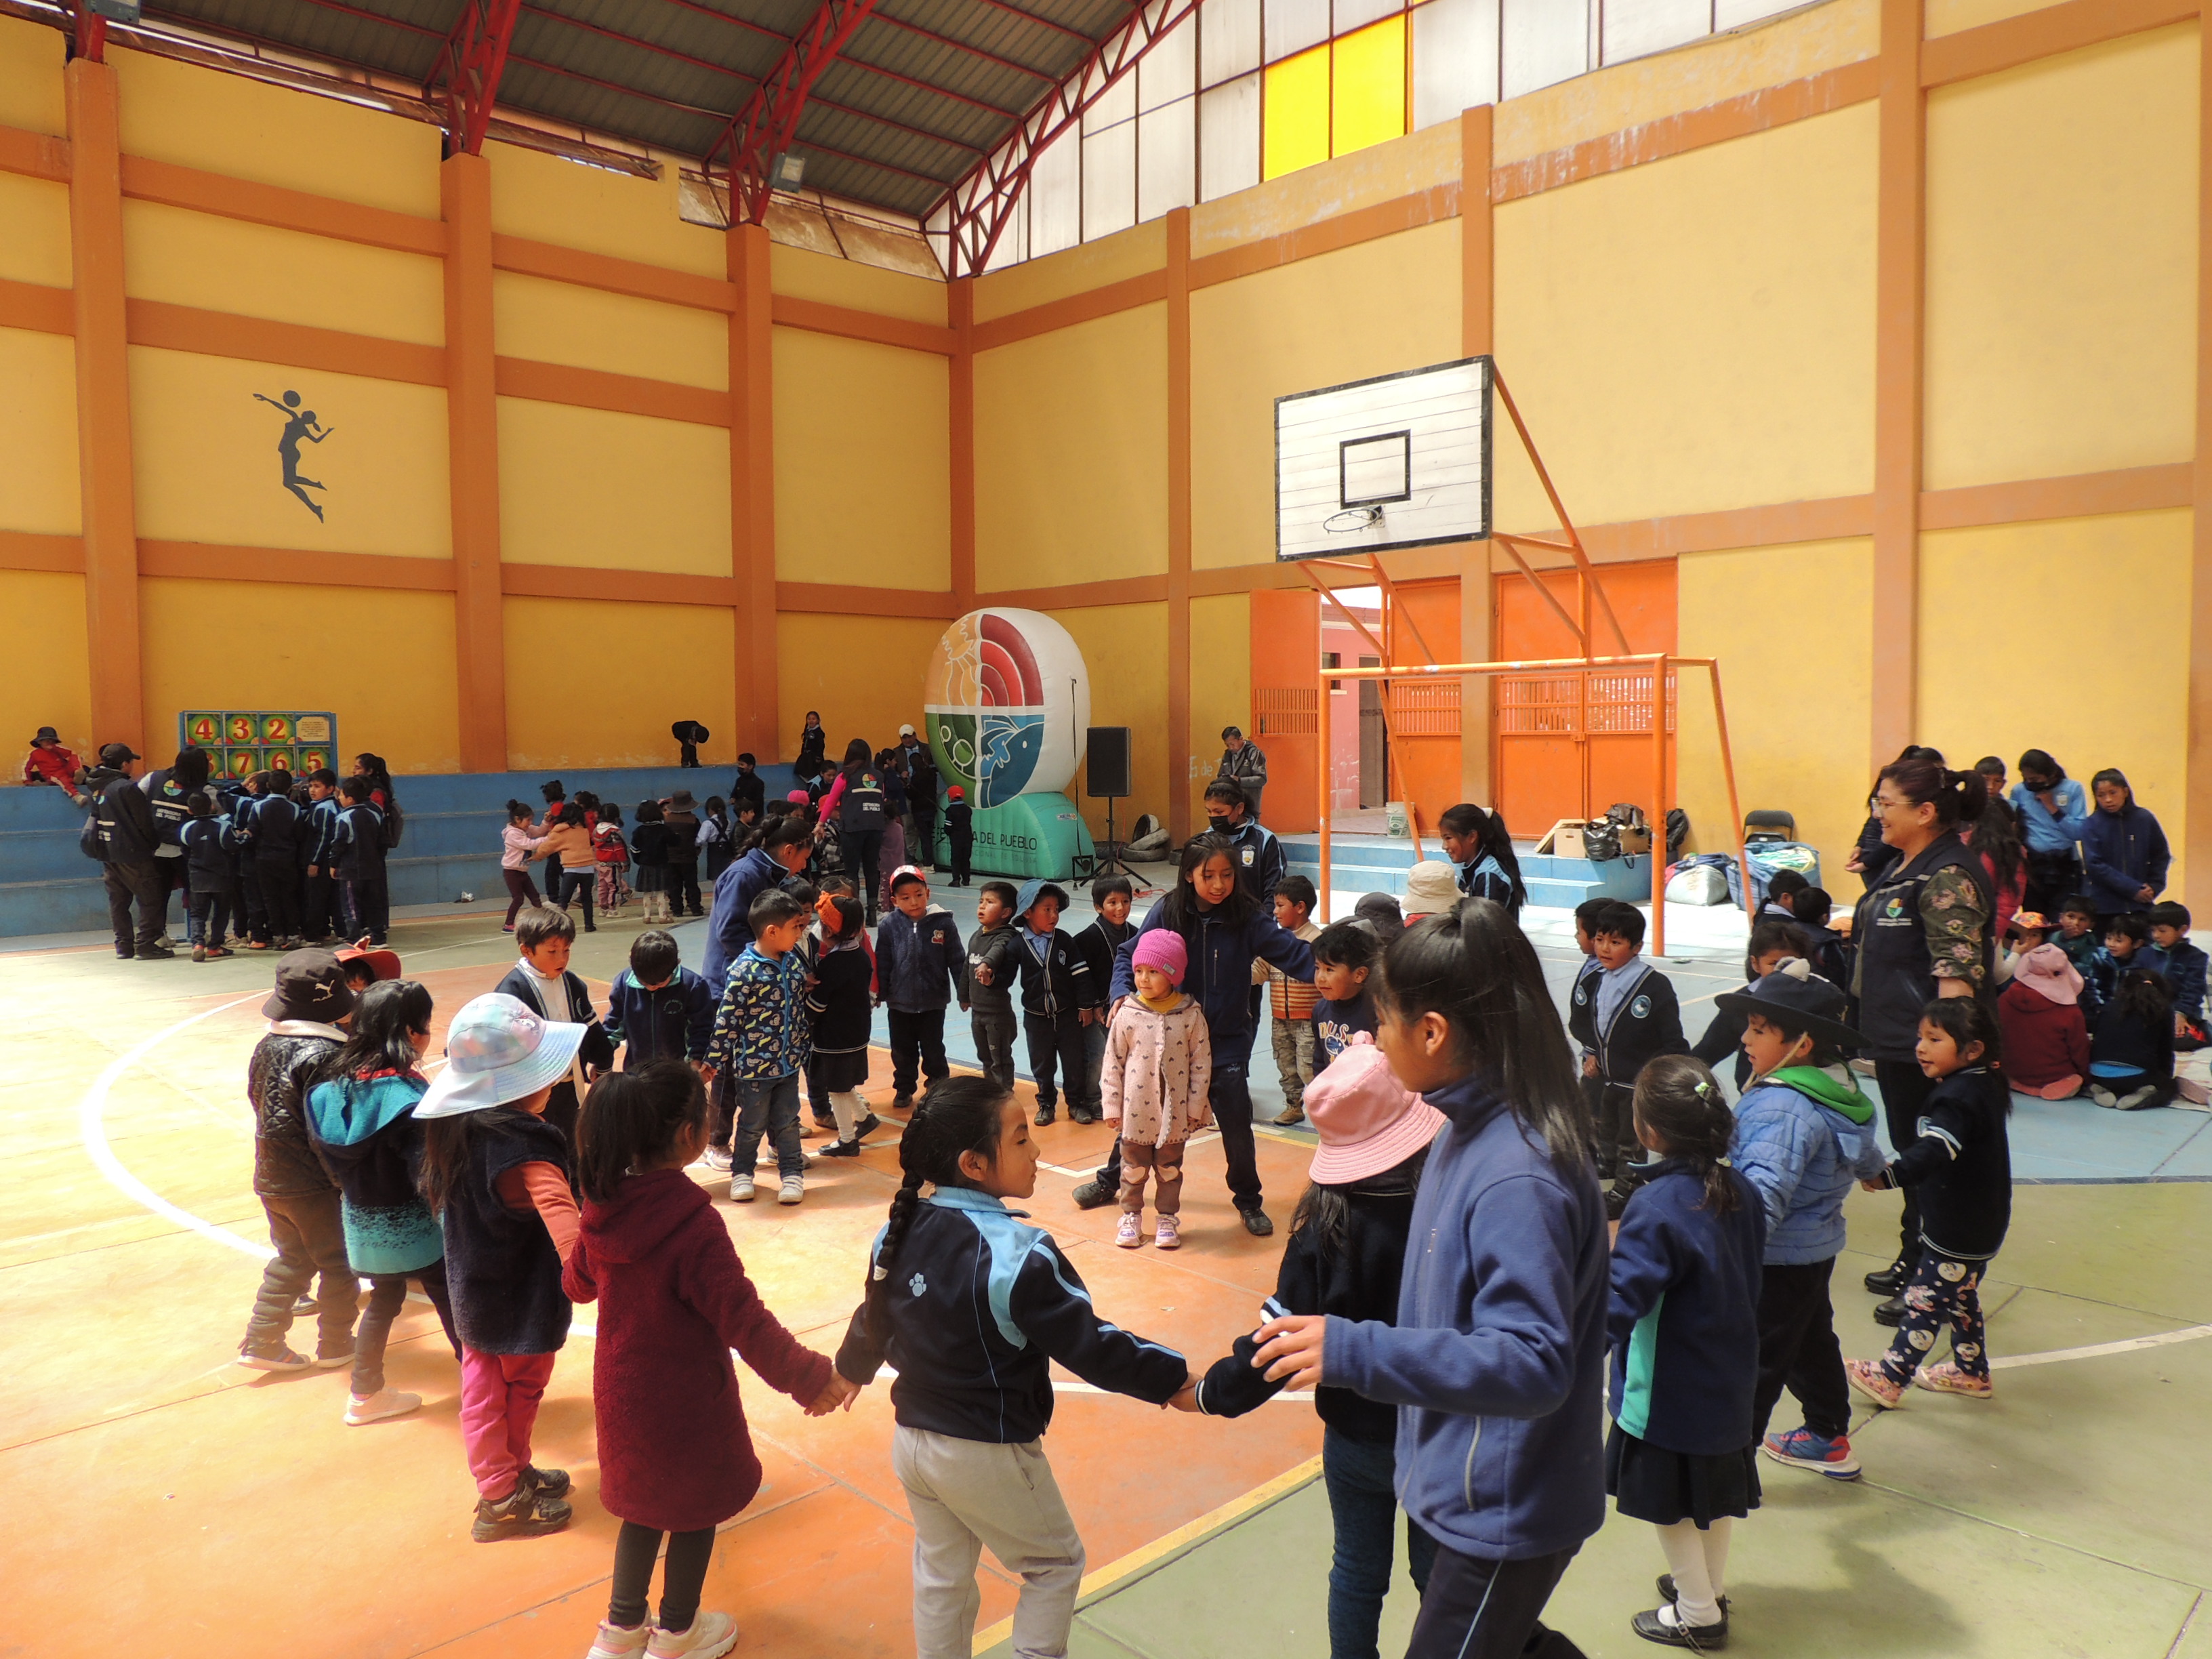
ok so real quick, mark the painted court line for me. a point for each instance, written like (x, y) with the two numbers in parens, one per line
(2098, 1350)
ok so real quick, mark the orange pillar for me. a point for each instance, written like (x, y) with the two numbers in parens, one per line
(472, 451)
(103, 406)
(1179, 745)
(2197, 799)
(1899, 261)
(961, 415)
(752, 488)
(1476, 287)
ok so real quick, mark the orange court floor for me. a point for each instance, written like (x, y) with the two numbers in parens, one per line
(168, 1502)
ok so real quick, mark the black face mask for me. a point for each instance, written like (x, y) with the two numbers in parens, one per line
(2039, 786)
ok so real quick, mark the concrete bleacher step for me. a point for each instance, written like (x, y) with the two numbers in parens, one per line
(1378, 864)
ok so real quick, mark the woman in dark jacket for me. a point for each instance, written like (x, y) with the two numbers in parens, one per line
(1872, 856)
(1922, 931)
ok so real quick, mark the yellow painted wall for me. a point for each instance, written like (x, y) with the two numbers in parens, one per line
(191, 259)
(1950, 16)
(31, 59)
(591, 487)
(1071, 454)
(49, 677)
(200, 118)
(1125, 647)
(1798, 694)
(1292, 329)
(39, 486)
(549, 198)
(1981, 701)
(205, 454)
(36, 245)
(1220, 685)
(1697, 333)
(397, 699)
(587, 328)
(806, 276)
(563, 711)
(2062, 265)
(863, 463)
(862, 674)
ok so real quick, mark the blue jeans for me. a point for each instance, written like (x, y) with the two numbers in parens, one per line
(769, 1106)
(1363, 1501)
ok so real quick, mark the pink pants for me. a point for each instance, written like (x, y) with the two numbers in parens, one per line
(500, 1394)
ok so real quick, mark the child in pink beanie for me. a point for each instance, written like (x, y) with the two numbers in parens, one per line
(1160, 1057)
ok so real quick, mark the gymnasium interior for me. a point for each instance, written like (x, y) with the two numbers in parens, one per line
(1846, 374)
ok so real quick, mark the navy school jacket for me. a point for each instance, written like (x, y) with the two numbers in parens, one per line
(978, 1305)
(1648, 1023)
(357, 845)
(676, 1022)
(210, 845)
(319, 830)
(1058, 985)
(921, 964)
(1683, 1319)
(275, 823)
(1960, 1166)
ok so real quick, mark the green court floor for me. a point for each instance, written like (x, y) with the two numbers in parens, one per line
(2069, 1516)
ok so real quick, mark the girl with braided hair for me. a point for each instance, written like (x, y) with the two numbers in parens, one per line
(971, 1305)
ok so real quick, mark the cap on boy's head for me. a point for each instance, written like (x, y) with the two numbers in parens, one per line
(310, 985)
(47, 735)
(798, 797)
(906, 730)
(1797, 1000)
(2027, 922)
(1382, 910)
(1430, 886)
(498, 1050)
(1163, 949)
(908, 875)
(956, 793)
(117, 754)
(377, 964)
(1368, 1120)
(1036, 888)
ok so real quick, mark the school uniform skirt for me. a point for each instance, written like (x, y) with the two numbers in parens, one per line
(648, 879)
(1649, 1483)
(837, 1073)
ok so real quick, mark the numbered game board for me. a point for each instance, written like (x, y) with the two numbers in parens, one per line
(262, 740)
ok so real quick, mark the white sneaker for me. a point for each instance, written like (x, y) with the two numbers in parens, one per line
(2102, 1096)
(620, 1641)
(375, 1408)
(794, 1189)
(711, 1635)
(1170, 1236)
(741, 1190)
(1130, 1234)
(716, 1158)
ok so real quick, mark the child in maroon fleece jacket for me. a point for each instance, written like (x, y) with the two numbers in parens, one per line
(678, 1300)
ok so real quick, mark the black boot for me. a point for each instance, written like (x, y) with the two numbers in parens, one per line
(1890, 1312)
(1888, 1282)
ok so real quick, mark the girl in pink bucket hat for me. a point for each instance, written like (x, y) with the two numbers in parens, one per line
(1347, 1244)
(2046, 1040)
(1152, 1083)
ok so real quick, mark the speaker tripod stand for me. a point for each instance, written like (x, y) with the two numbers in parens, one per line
(1109, 862)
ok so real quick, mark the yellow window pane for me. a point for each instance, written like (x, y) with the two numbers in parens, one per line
(1370, 87)
(1294, 114)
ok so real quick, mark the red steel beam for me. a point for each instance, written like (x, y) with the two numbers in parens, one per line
(474, 58)
(91, 37)
(763, 128)
(983, 202)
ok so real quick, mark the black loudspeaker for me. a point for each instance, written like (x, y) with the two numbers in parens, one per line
(1106, 770)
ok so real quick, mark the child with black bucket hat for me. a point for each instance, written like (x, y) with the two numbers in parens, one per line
(1804, 1133)
(307, 1014)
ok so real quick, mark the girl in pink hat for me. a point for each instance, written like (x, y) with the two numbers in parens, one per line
(2046, 1040)
(1347, 1245)
(1153, 1084)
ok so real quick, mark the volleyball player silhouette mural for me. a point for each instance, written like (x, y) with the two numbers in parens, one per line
(298, 423)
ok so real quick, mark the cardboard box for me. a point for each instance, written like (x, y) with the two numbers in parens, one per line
(1566, 840)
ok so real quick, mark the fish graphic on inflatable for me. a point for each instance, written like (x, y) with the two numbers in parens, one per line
(1007, 699)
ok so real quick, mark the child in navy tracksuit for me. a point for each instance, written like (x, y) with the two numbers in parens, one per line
(1111, 929)
(920, 966)
(1961, 1167)
(210, 846)
(2185, 966)
(1684, 1328)
(359, 849)
(1056, 990)
(973, 1306)
(1624, 1017)
(318, 840)
(992, 974)
(658, 1008)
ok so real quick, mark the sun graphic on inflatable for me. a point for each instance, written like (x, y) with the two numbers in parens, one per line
(1007, 699)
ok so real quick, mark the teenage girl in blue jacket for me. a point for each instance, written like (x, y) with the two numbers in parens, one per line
(1497, 1362)
(1685, 1331)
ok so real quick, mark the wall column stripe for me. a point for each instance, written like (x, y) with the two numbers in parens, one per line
(960, 385)
(752, 486)
(2196, 787)
(1477, 288)
(472, 451)
(1899, 273)
(1179, 746)
(103, 407)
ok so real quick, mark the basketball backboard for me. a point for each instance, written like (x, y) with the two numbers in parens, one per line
(1401, 460)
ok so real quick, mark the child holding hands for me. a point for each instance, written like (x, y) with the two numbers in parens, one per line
(1684, 1327)
(1158, 1062)
(678, 1302)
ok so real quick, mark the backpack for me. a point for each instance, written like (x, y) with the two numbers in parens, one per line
(1626, 814)
(92, 839)
(395, 824)
(1678, 831)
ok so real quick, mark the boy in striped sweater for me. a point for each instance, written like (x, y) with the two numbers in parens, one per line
(1292, 1000)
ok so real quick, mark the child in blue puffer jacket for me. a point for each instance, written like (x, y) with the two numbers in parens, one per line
(1804, 1133)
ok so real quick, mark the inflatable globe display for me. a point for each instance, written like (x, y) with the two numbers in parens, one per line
(1007, 699)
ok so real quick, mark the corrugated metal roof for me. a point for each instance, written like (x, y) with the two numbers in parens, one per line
(922, 92)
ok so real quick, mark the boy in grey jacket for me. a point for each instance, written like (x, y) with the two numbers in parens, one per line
(992, 966)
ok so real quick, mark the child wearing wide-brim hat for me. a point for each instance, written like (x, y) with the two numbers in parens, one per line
(1347, 1250)
(1431, 887)
(2046, 1035)
(497, 1174)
